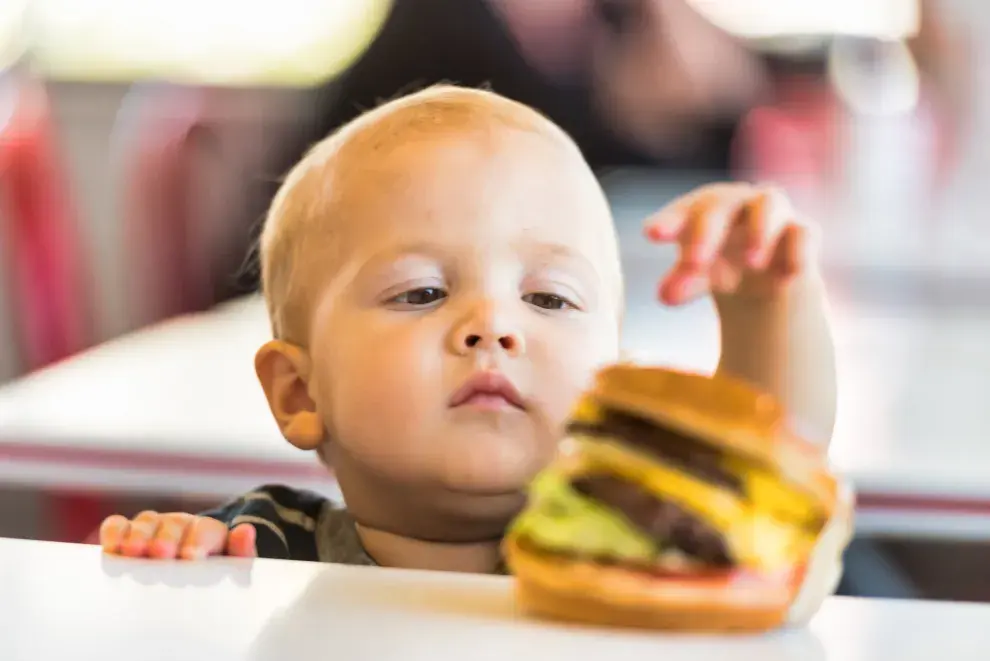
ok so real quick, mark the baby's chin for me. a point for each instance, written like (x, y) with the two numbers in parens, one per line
(478, 515)
(494, 462)
(456, 518)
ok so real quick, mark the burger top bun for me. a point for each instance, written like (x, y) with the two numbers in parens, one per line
(723, 412)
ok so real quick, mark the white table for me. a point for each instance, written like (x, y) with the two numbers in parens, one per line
(70, 602)
(175, 409)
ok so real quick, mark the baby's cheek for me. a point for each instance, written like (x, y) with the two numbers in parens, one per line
(379, 397)
(568, 370)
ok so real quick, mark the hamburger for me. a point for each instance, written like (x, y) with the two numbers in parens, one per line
(678, 501)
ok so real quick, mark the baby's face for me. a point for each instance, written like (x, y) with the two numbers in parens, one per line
(477, 290)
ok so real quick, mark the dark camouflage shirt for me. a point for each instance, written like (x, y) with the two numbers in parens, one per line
(297, 525)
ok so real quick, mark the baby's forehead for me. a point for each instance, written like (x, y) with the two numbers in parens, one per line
(522, 190)
(387, 162)
(398, 178)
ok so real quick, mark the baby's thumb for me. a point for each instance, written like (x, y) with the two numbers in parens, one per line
(205, 537)
(241, 541)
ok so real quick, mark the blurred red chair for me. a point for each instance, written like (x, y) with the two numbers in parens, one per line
(44, 256)
(160, 135)
(793, 141)
(157, 134)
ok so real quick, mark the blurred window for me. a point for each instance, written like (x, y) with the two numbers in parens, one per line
(216, 42)
(882, 19)
(12, 32)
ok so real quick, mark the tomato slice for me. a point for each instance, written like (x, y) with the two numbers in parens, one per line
(698, 574)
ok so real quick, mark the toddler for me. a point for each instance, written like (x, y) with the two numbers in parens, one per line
(443, 279)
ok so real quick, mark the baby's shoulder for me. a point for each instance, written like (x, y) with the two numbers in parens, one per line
(285, 519)
(276, 501)
(296, 524)
(337, 538)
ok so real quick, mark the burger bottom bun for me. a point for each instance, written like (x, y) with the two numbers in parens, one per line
(560, 588)
(537, 600)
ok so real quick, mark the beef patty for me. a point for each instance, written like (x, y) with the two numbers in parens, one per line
(688, 454)
(665, 522)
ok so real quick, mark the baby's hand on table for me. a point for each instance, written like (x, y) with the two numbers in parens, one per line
(175, 535)
(733, 238)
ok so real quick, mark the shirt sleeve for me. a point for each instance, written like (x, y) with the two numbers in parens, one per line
(284, 519)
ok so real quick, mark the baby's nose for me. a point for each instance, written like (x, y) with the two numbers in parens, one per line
(509, 342)
(474, 338)
(488, 329)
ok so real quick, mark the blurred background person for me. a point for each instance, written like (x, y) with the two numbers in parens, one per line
(635, 82)
(648, 83)
(638, 83)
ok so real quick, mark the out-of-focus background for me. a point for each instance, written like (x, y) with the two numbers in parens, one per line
(141, 141)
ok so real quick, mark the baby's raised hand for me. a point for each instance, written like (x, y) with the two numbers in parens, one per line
(175, 535)
(733, 238)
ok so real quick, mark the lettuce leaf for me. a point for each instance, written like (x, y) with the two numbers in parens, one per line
(560, 519)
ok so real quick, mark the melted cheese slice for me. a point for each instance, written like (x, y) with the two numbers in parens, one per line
(757, 537)
(718, 506)
(782, 500)
(762, 487)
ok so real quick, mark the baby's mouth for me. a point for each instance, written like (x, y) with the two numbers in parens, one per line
(488, 391)
(487, 402)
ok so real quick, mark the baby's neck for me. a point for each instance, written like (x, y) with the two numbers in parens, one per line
(392, 550)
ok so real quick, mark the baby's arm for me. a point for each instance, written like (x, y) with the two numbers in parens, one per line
(785, 346)
(744, 245)
(175, 535)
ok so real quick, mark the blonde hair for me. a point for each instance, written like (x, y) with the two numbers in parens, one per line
(302, 210)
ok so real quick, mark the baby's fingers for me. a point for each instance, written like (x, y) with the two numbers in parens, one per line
(668, 223)
(142, 530)
(709, 224)
(241, 541)
(113, 531)
(678, 289)
(204, 537)
(788, 256)
(767, 215)
(171, 529)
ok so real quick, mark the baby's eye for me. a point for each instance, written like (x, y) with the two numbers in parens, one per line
(548, 301)
(421, 296)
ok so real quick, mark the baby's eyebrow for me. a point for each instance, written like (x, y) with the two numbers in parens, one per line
(383, 264)
(556, 253)
(413, 250)
(597, 275)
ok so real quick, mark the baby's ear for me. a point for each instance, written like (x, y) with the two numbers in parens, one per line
(284, 372)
